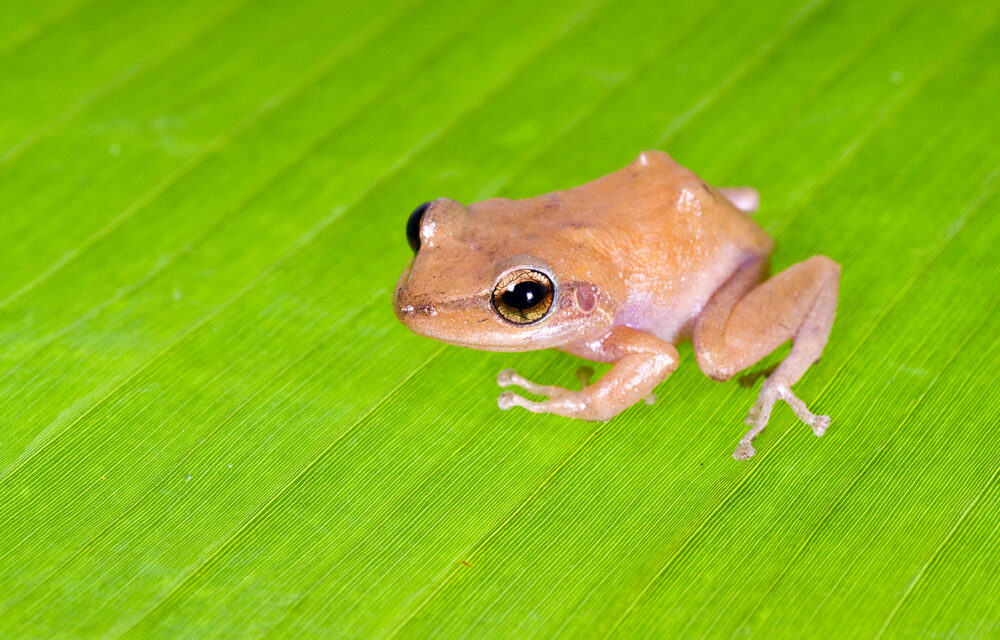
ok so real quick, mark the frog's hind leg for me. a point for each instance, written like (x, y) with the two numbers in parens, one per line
(747, 319)
(743, 198)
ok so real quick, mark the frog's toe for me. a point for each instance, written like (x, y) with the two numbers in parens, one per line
(510, 378)
(819, 424)
(507, 399)
(757, 419)
(744, 451)
(760, 412)
(566, 403)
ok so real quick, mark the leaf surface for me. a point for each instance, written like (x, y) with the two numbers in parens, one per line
(214, 426)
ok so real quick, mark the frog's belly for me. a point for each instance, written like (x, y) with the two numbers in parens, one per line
(668, 307)
(669, 322)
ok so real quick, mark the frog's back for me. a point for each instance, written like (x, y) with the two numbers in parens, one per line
(673, 238)
(656, 193)
(652, 234)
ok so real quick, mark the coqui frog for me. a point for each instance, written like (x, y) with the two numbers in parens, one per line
(619, 270)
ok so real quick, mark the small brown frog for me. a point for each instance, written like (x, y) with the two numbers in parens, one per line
(620, 270)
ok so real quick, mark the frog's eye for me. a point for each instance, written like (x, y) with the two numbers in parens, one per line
(523, 296)
(413, 226)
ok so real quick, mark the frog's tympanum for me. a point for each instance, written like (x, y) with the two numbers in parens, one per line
(619, 270)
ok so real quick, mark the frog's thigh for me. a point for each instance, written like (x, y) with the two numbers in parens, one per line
(745, 321)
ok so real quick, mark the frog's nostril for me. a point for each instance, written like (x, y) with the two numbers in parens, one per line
(406, 308)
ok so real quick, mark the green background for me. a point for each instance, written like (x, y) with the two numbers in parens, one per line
(214, 426)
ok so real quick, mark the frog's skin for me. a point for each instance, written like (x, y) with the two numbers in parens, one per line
(638, 260)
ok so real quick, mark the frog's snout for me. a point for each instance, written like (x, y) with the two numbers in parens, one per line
(405, 304)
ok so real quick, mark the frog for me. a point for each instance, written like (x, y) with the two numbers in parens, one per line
(620, 270)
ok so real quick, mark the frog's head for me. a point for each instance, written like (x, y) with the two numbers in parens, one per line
(488, 277)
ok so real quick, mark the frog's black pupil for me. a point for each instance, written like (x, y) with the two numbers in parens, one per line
(413, 226)
(524, 294)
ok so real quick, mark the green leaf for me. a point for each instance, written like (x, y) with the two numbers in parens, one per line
(213, 425)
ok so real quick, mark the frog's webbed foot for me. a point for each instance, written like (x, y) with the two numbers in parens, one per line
(560, 401)
(760, 413)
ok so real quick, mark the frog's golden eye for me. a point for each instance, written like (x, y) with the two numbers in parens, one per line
(413, 226)
(523, 296)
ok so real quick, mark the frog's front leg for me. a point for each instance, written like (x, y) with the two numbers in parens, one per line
(641, 362)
